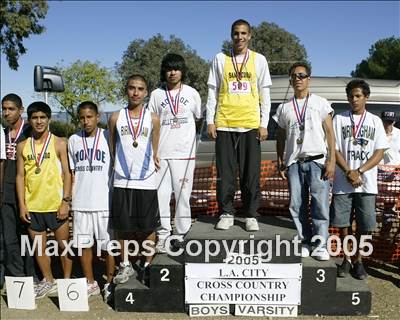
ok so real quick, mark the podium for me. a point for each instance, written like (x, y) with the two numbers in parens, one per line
(237, 275)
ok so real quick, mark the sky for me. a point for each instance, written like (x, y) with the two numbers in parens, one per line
(336, 34)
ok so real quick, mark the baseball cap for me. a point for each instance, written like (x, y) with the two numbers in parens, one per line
(388, 116)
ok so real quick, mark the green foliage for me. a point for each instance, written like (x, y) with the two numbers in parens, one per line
(144, 57)
(280, 47)
(61, 128)
(383, 61)
(83, 81)
(19, 19)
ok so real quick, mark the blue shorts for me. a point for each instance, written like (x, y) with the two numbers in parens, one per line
(41, 221)
(341, 211)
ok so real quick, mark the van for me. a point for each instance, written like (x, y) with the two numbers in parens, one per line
(385, 94)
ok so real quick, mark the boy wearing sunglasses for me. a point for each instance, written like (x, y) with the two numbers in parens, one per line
(305, 129)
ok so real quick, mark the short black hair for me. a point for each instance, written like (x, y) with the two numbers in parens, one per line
(172, 61)
(358, 83)
(135, 76)
(240, 22)
(87, 105)
(38, 106)
(303, 64)
(13, 98)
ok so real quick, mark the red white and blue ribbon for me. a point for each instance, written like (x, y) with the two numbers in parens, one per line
(356, 128)
(238, 72)
(94, 147)
(135, 131)
(40, 158)
(19, 131)
(173, 103)
(300, 114)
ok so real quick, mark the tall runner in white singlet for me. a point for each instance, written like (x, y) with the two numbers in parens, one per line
(134, 135)
(177, 105)
(89, 160)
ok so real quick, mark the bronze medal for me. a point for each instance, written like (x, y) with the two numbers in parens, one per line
(37, 170)
(299, 141)
(135, 144)
(175, 120)
(301, 127)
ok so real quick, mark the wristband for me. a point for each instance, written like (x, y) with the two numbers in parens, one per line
(67, 199)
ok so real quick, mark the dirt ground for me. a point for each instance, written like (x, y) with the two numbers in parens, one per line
(384, 282)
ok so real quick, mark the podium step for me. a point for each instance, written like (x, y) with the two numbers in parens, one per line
(273, 230)
(165, 294)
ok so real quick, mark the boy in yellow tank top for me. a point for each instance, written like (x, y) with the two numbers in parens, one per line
(44, 192)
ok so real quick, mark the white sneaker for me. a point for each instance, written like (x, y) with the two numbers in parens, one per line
(305, 250)
(225, 222)
(44, 288)
(320, 254)
(93, 289)
(160, 246)
(252, 224)
(124, 273)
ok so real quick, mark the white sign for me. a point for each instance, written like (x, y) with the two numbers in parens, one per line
(206, 310)
(232, 271)
(72, 294)
(248, 291)
(266, 310)
(20, 293)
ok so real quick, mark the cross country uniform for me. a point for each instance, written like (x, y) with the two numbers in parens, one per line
(238, 108)
(11, 226)
(391, 156)
(44, 187)
(177, 150)
(134, 200)
(306, 151)
(356, 146)
(89, 159)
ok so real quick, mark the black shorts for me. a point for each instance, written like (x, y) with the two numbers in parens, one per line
(134, 210)
(40, 221)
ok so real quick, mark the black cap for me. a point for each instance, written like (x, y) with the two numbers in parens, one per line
(388, 116)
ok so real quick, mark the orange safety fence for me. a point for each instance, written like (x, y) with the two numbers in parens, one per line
(275, 201)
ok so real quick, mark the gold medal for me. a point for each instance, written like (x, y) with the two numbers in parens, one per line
(135, 144)
(299, 140)
(37, 170)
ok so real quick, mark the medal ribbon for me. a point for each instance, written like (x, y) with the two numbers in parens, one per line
(300, 115)
(238, 72)
(94, 148)
(135, 132)
(39, 160)
(356, 128)
(19, 131)
(173, 104)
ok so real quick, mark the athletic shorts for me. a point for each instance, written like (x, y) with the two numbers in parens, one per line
(90, 225)
(134, 210)
(41, 221)
(341, 213)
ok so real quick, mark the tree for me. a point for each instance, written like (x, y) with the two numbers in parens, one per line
(84, 80)
(19, 19)
(383, 61)
(280, 47)
(144, 57)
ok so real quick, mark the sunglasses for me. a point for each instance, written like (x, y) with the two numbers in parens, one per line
(300, 76)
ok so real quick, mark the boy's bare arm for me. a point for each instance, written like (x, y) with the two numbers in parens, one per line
(20, 184)
(111, 128)
(61, 148)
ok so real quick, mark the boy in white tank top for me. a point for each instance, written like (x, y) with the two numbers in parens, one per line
(89, 160)
(134, 135)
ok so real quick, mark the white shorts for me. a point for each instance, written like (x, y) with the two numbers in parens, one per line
(88, 225)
